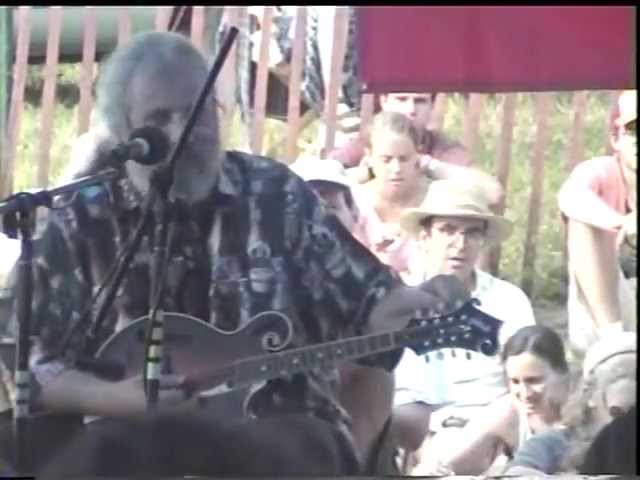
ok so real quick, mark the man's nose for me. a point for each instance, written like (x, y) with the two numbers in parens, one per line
(174, 127)
(460, 239)
(394, 165)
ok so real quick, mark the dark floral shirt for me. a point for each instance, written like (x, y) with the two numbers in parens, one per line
(261, 242)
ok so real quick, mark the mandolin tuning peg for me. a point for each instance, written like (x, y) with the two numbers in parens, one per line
(453, 353)
(440, 355)
(426, 358)
(468, 355)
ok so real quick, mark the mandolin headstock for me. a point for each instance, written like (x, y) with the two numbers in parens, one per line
(468, 328)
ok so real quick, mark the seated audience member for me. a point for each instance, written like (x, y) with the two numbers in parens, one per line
(366, 393)
(605, 455)
(328, 179)
(598, 203)
(417, 107)
(453, 226)
(607, 391)
(396, 184)
(536, 371)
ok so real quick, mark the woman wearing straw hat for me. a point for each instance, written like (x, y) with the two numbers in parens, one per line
(453, 225)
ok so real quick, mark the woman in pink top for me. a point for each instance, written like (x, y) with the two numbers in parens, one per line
(598, 202)
(397, 184)
(399, 179)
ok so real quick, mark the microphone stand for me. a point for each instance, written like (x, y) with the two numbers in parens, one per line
(162, 184)
(19, 220)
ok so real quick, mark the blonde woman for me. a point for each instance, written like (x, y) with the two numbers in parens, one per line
(398, 177)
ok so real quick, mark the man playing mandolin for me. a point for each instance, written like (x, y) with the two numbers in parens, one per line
(251, 245)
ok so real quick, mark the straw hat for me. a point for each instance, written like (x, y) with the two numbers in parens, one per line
(628, 105)
(608, 347)
(455, 198)
(319, 170)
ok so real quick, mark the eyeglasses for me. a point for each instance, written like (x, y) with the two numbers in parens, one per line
(475, 235)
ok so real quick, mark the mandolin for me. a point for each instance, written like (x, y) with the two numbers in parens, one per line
(224, 368)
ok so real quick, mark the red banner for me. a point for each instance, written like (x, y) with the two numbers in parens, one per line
(496, 49)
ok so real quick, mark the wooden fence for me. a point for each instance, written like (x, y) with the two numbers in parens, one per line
(234, 16)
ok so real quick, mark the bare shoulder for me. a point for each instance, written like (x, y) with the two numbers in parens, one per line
(504, 416)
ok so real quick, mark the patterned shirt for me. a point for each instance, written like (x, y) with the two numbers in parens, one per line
(261, 242)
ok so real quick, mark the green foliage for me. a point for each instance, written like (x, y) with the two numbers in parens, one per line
(67, 91)
(28, 150)
(549, 273)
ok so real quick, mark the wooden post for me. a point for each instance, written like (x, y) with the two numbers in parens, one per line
(544, 104)
(366, 112)
(212, 19)
(613, 102)
(339, 44)
(505, 143)
(17, 97)
(262, 78)
(163, 17)
(124, 25)
(436, 119)
(4, 85)
(48, 102)
(576, 149)
(295, 80)
(226, 87)
(471, 121)
(87, 69)
(576, 137)
(197, 27)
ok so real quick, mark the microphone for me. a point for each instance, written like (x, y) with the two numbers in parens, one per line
(146, 146)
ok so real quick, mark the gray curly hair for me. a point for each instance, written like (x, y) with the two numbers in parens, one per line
(144, 51)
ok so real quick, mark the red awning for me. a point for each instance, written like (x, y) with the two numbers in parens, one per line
(491, 49)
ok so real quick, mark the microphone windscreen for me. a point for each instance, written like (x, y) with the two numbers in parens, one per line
(157, 142)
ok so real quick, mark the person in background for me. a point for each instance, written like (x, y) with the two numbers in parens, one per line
(536, 370)
(598, 204)
(328, 179)
(453, 226)
(398, 183)
(366, 393)
(607, 391)
(417, 107)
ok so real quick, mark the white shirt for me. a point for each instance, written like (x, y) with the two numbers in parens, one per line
(9, 253)
(460, 380)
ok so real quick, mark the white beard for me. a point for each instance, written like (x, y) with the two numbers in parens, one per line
(194, 178)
